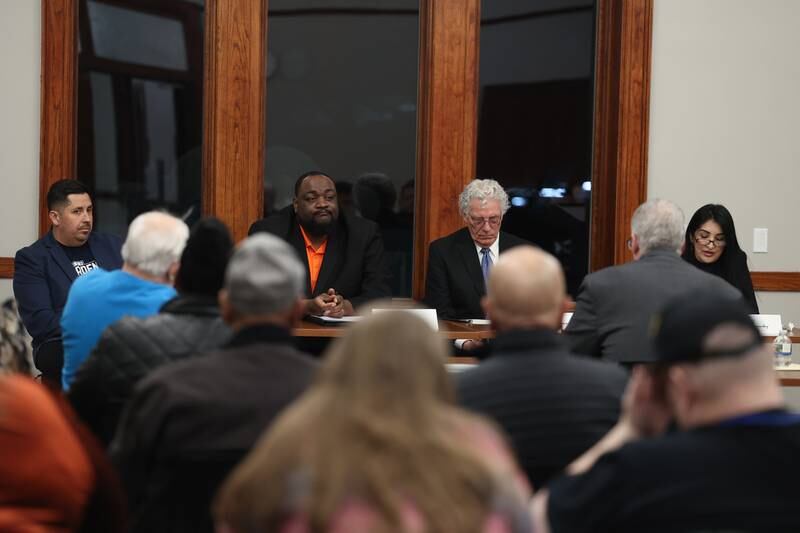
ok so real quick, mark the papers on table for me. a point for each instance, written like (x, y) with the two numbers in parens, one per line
(332, 321)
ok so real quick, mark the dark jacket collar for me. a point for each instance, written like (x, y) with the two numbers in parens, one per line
(524, 341)
(192, 304)
(262, 333)
(659, 254)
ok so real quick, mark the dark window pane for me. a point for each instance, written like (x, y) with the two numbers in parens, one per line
(140, 107)
(535, 121)
(342, 98)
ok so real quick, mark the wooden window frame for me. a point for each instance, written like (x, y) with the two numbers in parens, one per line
(234, 119)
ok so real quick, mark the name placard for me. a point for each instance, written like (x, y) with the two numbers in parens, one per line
(768, 325)
(428, 315)
(565, 318)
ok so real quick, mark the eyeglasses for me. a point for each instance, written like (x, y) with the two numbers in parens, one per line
(705, 240)
(476, 222)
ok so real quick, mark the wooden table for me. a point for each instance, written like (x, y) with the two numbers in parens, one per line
(461, 330)
(447, 329)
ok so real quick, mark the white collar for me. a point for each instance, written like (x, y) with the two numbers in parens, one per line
(494, 249)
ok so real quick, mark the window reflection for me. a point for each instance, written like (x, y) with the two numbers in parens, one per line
(140, 107)
(535, 121)
(342, 98)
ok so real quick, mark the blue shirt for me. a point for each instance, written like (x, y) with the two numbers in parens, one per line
(95, 301)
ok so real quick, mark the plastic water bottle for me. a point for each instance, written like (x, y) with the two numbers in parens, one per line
(783, 349)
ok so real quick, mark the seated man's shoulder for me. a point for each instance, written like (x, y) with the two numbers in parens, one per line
(451, 239)
(276, 223)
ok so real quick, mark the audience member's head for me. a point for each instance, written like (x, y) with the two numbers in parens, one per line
(526, 289)
(70, 210)
(263, 283)
(154, 245)
(482, 204)
(15, 350)
(51, 479)
(389, 445)
(712, 363)
(315, 203)
(656, 225)
(205, 258)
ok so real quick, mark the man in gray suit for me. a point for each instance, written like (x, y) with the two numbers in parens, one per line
(614, 305)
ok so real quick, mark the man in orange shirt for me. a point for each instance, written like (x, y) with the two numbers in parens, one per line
(343, 254)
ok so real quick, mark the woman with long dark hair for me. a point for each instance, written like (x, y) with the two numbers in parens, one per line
(711, 245)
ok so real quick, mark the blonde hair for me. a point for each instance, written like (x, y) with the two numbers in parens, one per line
(379, 426)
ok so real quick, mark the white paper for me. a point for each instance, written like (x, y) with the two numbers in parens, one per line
(768, 325)
(334, 320)
(427, 315)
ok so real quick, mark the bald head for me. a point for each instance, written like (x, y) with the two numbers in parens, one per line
(526, 289)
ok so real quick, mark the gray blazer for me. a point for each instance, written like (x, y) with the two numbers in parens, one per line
(615, 305)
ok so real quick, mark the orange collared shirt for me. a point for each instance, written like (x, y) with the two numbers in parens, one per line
(315, 257)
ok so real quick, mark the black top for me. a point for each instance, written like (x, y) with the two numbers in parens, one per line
(132, 347)
(740, 477)
(733, 270)
(189, 423)
(553, 405)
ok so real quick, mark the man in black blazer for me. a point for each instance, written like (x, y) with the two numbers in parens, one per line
(45, 270)
(553, 405)
(455, 280)
(614, 305)
(343, 255)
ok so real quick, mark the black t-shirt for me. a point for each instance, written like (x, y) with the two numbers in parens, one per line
(739, 477)
(81, 258)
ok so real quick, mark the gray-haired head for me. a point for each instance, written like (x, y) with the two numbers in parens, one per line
(264, 276)
(155, 241)
(483, 190)
(658, 225)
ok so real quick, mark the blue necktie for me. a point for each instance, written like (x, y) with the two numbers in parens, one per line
(486, 263)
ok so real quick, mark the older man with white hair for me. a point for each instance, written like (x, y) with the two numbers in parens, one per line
(614, 305)
(190, 422)
(151, 256)
(459, 264)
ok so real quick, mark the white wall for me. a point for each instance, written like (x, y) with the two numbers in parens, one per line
(724, 116)
(20, 23)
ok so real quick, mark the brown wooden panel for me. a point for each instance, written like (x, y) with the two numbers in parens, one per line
(447, 330)
(6, 267)
(776, 281)
(622, 96)
(233, 143)
(447, 125)
(57, 151)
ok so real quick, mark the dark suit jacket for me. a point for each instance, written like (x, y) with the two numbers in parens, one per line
(188, 423)
(553, 405)
(454, 285)
(615, 305)
(43, 275)
(353, 263)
